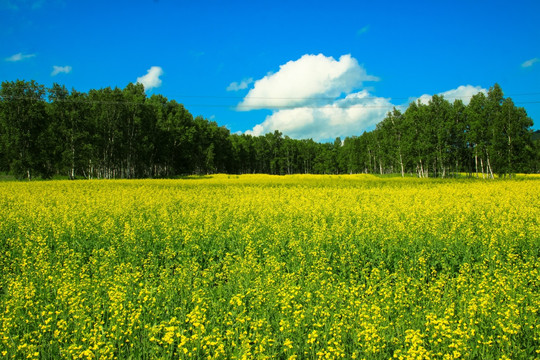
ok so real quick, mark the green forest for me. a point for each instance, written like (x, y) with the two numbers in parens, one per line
(123, 133)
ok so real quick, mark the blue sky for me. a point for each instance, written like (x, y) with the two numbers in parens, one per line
(316, 69)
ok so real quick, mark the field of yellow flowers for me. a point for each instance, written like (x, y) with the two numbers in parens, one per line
(253, 266)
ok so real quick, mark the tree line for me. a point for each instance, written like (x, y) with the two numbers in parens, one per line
(123, 133)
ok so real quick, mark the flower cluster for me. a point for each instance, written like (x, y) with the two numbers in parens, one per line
(294, 267)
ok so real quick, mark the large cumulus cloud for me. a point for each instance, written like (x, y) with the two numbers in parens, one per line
(322, 98)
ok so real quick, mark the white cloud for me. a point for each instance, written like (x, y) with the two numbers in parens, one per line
(298, 82)
(60, 69)
(19, 57)
(344, 117)
(235, 86)
(151, 79)
(305, 95)
(306, 98)
(463, 93)
(530, 62)
(350, 116)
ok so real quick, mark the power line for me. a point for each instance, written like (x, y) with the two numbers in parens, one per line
(255, 107)
(330, 98)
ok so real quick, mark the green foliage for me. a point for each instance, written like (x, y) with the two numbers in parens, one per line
(487, 137)
(122, 133)
(24, 128)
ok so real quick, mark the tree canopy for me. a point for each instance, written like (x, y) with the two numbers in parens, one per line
(123, 133)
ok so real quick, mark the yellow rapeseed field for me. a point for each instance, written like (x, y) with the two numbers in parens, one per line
(253, 266)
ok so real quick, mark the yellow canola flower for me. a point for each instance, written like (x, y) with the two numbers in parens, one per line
(257, 266)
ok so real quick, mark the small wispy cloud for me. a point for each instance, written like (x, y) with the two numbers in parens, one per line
(16, 5)
(236, 86)
(363, 30)
(196, 54)
(530, 62)
(61, 69)
(463, 93)
(36, 5)
(19, 57)
(151, 79)
(8, 5)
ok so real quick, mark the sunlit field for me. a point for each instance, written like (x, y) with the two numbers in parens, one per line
(295, 267)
